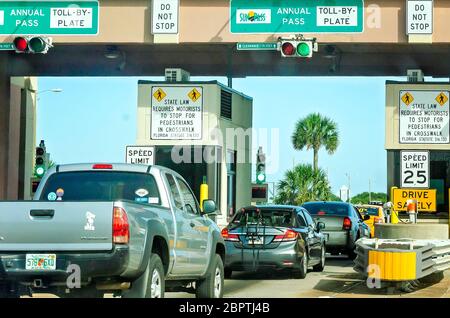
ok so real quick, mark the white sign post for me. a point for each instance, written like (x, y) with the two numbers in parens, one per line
(415, 169)
(177, 112)
(165, 16)
(140, 155)
(424, 117)
(419, 17)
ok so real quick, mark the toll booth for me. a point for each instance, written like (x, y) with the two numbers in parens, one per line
(202, 130)
(418, 145)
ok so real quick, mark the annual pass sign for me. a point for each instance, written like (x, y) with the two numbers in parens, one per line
(296, 16)
(49, 17)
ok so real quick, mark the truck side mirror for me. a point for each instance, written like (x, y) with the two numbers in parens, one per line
(209, 206)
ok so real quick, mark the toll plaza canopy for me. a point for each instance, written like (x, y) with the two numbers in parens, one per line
(363, 37)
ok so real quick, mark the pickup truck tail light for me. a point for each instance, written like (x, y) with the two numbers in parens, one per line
(227, 236)
(347, 224)
(121, 227)
(289, 235)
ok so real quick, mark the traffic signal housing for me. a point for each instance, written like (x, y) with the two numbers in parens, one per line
(296, 48)
(40, 161)
(32, 44)
(260, 167)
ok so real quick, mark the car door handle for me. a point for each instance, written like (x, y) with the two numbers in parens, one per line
(192, 224)
(42, 213)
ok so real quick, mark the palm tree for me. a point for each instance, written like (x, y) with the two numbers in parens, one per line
(315, 131)
(302, 184)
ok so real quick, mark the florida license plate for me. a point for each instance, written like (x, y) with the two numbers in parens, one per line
(255, 241)
(40, 261)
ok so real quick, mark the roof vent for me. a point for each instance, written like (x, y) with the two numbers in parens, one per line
(415, 76)
(177, 75)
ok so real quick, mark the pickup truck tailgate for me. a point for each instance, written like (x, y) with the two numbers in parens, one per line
(55, 226)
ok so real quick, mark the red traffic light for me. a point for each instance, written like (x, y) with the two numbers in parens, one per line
(288, 48)
(20, 44)
(32, 44)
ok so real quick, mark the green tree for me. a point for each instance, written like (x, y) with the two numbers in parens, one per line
(313, 132)
(363, 198)
(302, 184)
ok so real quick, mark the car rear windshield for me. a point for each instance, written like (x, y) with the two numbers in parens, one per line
(369, 211)
(279, 218)
(336, 209)
(101, 186)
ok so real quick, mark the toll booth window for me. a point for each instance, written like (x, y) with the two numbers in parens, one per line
(190, 204)
(174, 191)
(101, 186)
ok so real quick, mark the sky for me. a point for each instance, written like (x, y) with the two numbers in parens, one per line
(94, 119)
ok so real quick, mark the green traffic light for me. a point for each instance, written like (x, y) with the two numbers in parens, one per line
(260, 178)
(37, 45)
(40, 171)
(303, 49)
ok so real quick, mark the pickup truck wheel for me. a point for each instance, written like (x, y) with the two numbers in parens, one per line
(151, 283)
(212, 285)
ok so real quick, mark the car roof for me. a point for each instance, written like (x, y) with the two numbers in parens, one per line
(327, 202)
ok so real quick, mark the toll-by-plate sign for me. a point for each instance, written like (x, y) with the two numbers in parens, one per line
(426, 199)
(419, 17)
(424, 117)
(177, 112)
(49, 17)
(415, 169)
(140, 155)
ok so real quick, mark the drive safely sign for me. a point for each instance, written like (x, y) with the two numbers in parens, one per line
(426, 199)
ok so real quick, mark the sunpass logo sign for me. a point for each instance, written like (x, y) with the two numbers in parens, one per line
(253, 16)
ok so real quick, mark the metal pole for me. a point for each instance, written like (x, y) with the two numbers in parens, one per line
(370, 193)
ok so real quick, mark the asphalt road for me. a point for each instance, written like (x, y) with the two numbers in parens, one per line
(336, 281)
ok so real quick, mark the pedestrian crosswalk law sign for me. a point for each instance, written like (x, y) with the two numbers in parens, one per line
(407, 98)
(159, 95)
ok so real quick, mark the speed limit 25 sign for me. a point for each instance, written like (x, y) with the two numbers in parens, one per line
(415, 169)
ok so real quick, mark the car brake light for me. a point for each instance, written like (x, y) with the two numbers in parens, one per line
(102, 166)
(227, 236)
(347, 225)
(289, 235)
(320, 213)
(121, 228)
(377, 220)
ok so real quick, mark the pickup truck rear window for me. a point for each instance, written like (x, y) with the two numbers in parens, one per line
(101, 186)
(319, 208)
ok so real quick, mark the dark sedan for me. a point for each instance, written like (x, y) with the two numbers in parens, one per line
(274, 237)
(344, 225)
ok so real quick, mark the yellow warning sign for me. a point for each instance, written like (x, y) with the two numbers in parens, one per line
(407, 98)
(194, 95)
(426, 199)
(442, 99)
(159, 95)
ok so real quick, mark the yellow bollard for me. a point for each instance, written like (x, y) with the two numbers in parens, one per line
(394, 214)
(203, 192)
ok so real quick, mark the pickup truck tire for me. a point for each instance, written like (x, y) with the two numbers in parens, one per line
(151, 283)
(212, 285)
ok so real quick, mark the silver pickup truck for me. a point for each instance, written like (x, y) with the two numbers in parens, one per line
(130, 230)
